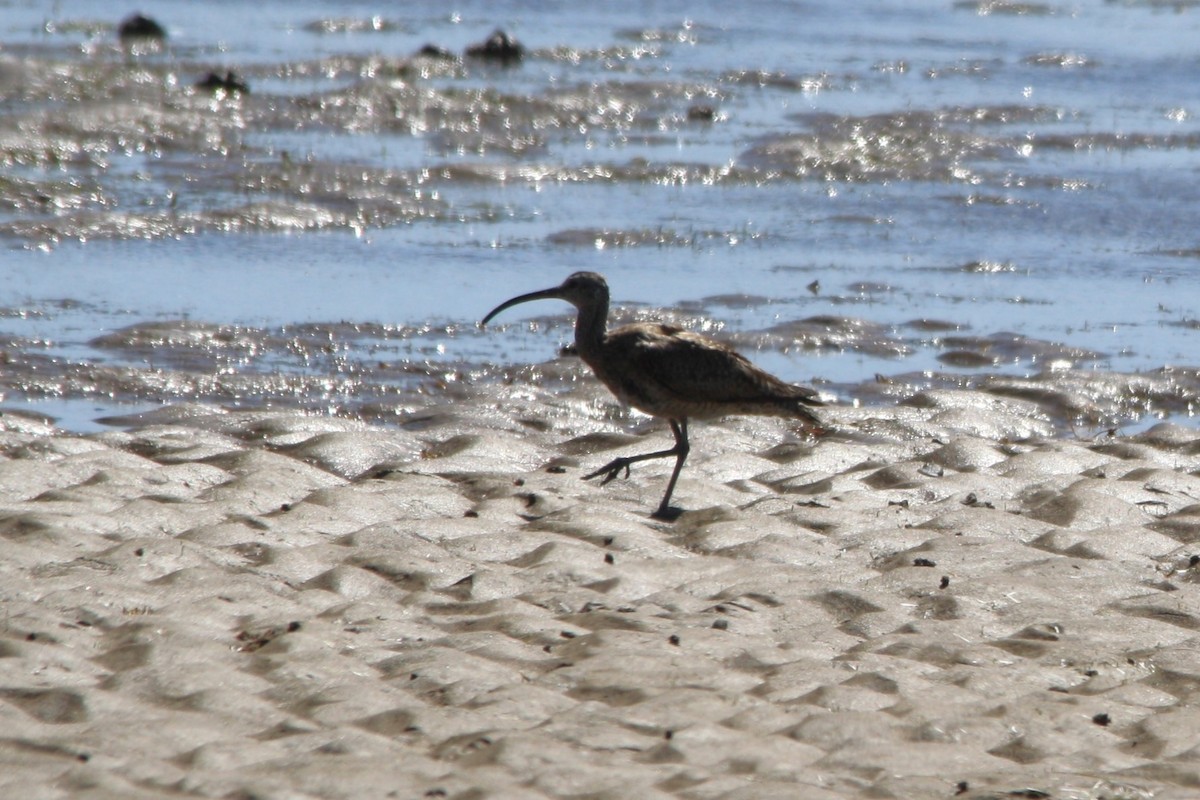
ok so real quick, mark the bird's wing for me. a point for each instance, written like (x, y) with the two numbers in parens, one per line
(692, 366)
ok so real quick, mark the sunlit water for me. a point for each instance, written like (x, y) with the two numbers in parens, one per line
(937, 192)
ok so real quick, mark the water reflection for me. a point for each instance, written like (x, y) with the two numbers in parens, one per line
(945, 200)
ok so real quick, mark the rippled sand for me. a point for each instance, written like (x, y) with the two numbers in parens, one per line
(940, 598)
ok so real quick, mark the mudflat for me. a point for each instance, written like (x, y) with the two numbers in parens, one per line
(942, 598)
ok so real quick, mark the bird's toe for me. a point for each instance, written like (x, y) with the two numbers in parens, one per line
(610, 471)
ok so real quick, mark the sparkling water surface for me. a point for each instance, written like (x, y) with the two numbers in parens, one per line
(923, 180)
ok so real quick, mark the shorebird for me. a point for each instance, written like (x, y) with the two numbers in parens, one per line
(668, 372)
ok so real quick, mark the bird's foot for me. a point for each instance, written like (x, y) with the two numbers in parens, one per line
(667, 513)
(611, 470)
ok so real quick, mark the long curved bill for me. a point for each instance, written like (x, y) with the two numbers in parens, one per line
(545, 294)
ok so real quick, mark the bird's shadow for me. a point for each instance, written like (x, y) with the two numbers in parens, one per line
(668, 514)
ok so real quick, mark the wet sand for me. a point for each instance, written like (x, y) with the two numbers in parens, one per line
(940, 598)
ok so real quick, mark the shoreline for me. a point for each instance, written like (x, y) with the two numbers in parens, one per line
(91, 398)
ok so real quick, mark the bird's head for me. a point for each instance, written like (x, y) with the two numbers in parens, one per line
(581, 289)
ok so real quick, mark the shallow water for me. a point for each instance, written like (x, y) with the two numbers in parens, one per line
(961, 194)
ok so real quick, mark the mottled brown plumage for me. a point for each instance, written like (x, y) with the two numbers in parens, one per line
(667, 372)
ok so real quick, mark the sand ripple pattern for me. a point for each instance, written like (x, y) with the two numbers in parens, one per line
(938, 599)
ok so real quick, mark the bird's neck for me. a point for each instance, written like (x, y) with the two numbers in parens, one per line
(590, 328)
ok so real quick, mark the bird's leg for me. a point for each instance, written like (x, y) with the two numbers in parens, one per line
(612, 469)
(665, 511)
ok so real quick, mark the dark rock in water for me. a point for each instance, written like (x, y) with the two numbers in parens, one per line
(434, 51)
(701, 113)
(138, 26)
(214, 82)
(498, 47)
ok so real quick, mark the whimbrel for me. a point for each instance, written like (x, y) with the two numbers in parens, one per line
(667, 372)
